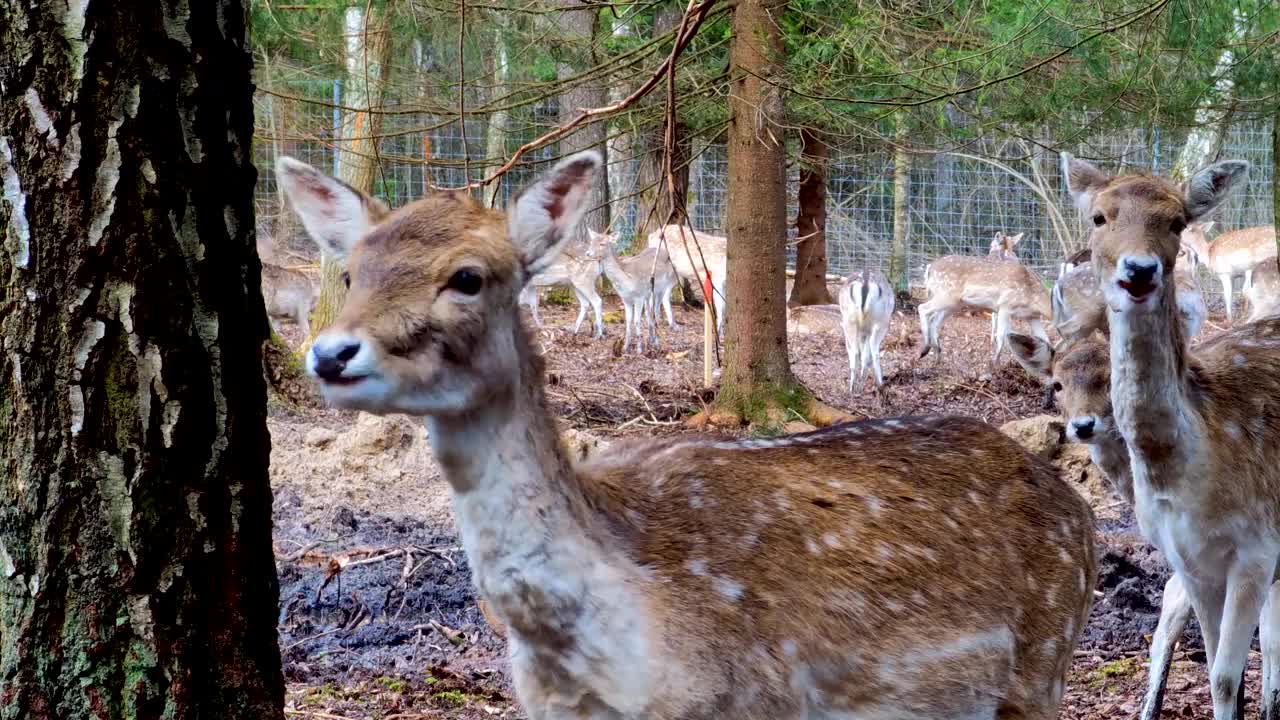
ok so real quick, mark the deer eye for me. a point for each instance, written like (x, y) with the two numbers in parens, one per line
(1099, 220)
(1177, 226)
(1057, 386)
(465, 281)
(346, 279)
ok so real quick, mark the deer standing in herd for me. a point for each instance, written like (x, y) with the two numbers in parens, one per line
(866, 309)
(643, 281)
(1236, 253)
(1263, 292)
(692, 254)
(579, 266)
(1201, 427)
(900, 568)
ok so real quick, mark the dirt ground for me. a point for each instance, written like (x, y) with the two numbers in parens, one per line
(378, 617)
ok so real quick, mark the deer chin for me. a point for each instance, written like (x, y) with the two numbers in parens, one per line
(1122, 296)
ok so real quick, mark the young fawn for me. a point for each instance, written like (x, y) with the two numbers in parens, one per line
(866, 308)
(1080, 373)
(1200, 428)
(631, 277)
(579, 266)
(1007, 288)
(905, 568)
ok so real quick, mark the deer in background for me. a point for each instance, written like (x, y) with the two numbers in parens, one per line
(1079, 309)
(1080, 373)
(1263, 292)
(692, 253)
(1073, 261)
(1008, 289)
(1200, 428)
(901, 568)
(866, 308)
(631, 279)
(579, 266)
(289, 295)
(1002, 246)
(1235, 253)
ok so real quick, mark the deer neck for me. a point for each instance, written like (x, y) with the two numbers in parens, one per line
(519, 504)
(1150, 393)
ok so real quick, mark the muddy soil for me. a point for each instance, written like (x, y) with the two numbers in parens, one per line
(378, 616)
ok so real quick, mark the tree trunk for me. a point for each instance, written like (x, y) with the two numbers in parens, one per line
(622, 145)
(136, 571)
(1275, 175)
(655, 207)
(495, 142)
(898, 274)
(577, 23)
(810, 287)
(367, 47)
(757, 376)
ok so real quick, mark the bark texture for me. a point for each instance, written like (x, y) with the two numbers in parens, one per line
(136, 571)
(1275, 173)
(810, 287)
(757, 369)
(901, 211)
(367, 58)
(577, 26)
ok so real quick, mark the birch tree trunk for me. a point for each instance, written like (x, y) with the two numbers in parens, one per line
(367, 47)
(495, 142)
(898, 274)
(1204, 142)
(136, 572)
(577, 23)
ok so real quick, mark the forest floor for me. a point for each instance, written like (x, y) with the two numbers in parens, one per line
(378, 615)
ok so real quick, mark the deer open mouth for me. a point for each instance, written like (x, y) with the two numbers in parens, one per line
(343, 380)
(1139, 290)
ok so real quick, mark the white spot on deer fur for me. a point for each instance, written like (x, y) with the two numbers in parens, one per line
(874, 504)
(831, 540)
(1231, 429)
(75, 397)
(895, 424)
(39, 116)
(812, 546)
(727, 587)
(19, 229)
(974, 497)
(1239, 359)
(696, 567)
(783, 502)
(951, 523)
(719, 461)
(1066, 556)
(104, 185)
(884, 552)
(789, 648)
(695, 502)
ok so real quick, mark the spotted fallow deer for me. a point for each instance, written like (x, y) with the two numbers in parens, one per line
(1263, 293)
(642, 281)
(578, 266)
(289, 294)
(1200, 428)
(692, 253)
(1079, 309)
(866, 309)
(902, 568)
(1235, 253)
(1074, 260)
(1002, 246)
(1080, 373)
(1007, 288)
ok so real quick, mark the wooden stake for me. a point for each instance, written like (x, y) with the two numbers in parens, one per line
(708, 330)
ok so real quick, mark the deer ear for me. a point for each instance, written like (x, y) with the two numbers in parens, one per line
(543, 215)
(1032, 353)
(1015, 239)
(335, 214)
(1209, 188)
(1206, 227)
(1084, 180)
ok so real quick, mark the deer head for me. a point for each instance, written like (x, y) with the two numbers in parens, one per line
(1002, 246)
(430, 325)
(1138, 223)
(1080, 375)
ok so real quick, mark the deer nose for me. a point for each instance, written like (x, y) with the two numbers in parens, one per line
(1137, 275)
(329, 356)
(1083, 428)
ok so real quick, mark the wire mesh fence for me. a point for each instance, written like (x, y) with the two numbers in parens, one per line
(957, 200)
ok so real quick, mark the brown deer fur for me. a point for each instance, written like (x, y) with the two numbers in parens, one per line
(905, 568)
(1200, 429)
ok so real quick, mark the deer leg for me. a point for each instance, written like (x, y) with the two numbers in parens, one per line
(1269, 637)
(666, 306)
(582, 310)
(1247, 586)
(1037, 329)
(1248, 280)
(877, 337)
(598, 308)
(1175, 610)
(1002, 329)
(626, 316)
(926, 312)
(1225, 279)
